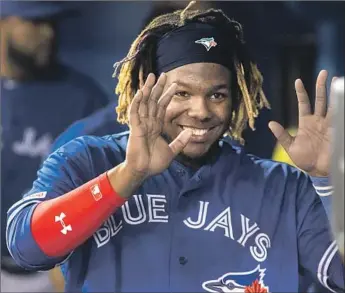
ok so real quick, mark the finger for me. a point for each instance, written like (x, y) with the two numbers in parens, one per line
(149, 83)
(165, 100)
(156, 93)
(331, 102)
(180, 142)
(283, 137)
(321, 94)
(134, 118)
(146, 90)
(303, 99)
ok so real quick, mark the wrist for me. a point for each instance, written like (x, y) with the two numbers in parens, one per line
(124, 181)
(321, 181)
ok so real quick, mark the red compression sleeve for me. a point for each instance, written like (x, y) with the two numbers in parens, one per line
(60, 225)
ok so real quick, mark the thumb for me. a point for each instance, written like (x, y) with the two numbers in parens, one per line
(180, 142)
(283, 137)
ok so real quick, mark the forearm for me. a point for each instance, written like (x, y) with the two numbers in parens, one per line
(23, 247)
(62, 224)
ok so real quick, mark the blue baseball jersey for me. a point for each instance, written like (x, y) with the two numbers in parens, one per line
(237, 224)
(33, 114)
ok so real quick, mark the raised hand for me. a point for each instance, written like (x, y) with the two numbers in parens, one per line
(310, 149)
(147, 152)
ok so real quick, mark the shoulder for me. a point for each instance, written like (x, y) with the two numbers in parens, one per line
(268, 172)
(89, 154)
(272, 182)
(101, 123)
(271, 168)
(283, 172)
(88, 143)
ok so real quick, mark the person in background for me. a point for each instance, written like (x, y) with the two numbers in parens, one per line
(40, 98)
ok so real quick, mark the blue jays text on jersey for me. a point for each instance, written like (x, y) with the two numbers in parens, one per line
(238, 224)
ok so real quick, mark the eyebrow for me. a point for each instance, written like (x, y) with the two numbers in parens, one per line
(213, 88)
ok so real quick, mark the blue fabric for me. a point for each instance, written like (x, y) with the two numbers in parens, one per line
(324, 189)
(34, 9)
(185, 231)
(33, 114)
(101, 123)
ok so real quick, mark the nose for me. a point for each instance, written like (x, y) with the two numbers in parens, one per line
(199, 109)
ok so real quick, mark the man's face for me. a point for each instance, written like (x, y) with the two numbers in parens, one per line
(30, 43)
(202, 102)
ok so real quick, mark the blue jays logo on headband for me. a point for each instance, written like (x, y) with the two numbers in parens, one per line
(252, 281)
(207, 42)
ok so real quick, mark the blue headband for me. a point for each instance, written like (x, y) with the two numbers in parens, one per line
(193, 43)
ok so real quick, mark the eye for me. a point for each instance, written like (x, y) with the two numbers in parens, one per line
(182, 94)
(231, 286)
(218, 96)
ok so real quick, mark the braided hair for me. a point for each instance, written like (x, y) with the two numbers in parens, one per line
(133, 70)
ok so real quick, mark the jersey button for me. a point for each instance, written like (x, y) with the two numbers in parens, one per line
(181, 172)
(182, 260)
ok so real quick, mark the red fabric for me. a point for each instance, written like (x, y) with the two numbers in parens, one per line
(60, 225)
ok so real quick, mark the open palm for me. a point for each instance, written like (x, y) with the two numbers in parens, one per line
(310, 149)
(147, 152)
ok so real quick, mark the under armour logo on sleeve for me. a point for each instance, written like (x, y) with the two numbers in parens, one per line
(66, 228)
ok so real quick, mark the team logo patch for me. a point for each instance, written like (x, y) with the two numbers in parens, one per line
(208, 43)
(96, 192)
(36, 195)
(247, 282)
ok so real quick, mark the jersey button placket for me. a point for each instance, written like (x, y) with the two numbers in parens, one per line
(178, 257)
(181, 172)
(182, 260)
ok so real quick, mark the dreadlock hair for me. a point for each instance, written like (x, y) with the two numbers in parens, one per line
(248, 95)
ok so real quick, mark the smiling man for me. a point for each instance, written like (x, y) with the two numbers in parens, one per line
(206, 98)
(170, 206)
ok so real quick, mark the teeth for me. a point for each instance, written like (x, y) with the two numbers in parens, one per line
(196, 131)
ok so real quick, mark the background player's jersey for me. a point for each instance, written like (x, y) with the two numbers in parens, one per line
(102, 122)
(238, 224)
(33, 114)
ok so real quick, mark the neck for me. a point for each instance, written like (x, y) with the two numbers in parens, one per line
(197, 163)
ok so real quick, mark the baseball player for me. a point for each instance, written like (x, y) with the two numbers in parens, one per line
(169, 206)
